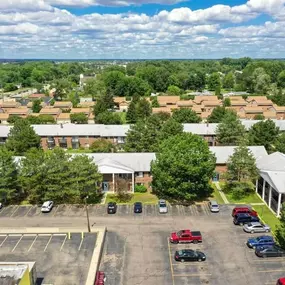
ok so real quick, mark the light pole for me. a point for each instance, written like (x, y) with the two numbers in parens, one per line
(87, 214)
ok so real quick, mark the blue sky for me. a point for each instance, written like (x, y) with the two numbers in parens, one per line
(154, 29)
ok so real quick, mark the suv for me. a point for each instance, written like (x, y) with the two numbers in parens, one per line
(162, 207)
(241, 219)
(47, 206)
(260, 241)
(244, 210)
(112, 208)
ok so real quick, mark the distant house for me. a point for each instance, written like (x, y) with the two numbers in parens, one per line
(36, 96)
(63, 118)
(63, 104)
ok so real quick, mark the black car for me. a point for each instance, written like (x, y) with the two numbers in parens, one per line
(241, 219)
(112, 208)
(269, 251)
(138, 207)
(189, 255)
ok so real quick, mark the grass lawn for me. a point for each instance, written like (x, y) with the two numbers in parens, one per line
(267, 216)
(253, 198)
(216, 195)
(145, 198)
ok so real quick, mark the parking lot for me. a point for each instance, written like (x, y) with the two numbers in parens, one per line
(140, 253)
(101, 210)
(59, 259)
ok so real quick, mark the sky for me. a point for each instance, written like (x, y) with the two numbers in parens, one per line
(141, 29)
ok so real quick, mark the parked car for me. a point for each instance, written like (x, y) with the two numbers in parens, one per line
(281, 281)
(100, 278)
(185, 236)
(162, 207)
(138, 207)
(244, 210)
(47, 206)
(256, 227)
(112, 208)
(189, 255)
(269, 251)
(214, 206)
(260, 241)
(241, 219)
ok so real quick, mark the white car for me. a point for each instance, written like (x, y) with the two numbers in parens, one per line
(162, 207)
(214, 206)
(47, 206)
(256, 227)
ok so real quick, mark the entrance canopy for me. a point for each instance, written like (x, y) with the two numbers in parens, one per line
(108, 166)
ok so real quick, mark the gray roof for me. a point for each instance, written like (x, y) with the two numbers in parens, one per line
(119, 130)
(272, 169)
(223, 153)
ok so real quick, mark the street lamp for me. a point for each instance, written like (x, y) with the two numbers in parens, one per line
(87, 214)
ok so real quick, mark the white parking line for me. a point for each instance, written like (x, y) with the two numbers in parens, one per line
(33, 243)
(48, 243)
(195, 210)
(17, 207)
(192, 275)
(170, 260)
(80, 244)
(63, 243)
(29, 211)
(17, 243)
(4, 240)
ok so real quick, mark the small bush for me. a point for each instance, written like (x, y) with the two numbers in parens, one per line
(140, 189)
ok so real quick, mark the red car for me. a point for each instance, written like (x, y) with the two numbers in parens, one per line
(244, 210)
(281, 281)
(100, 278)
(185, 236)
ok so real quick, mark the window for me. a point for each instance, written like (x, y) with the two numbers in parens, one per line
(63, 142)
(140, 174)
(75, 142)
(121, 140)
(50, 142)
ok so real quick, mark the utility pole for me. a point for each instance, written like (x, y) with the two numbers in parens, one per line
(87, 215)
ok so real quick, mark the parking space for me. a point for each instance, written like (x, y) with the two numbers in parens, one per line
(60, 258)
(140, 253)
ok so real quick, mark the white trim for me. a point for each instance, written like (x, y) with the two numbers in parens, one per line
(270, 197)
(279, 204)
(263, 189)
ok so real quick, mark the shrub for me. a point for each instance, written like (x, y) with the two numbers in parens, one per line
(239, 190)
(140, 189)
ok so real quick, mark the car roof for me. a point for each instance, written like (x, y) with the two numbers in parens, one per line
(187, 250)
(46, 203)
(256, 224)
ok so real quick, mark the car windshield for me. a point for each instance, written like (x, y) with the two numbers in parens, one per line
(162, 205)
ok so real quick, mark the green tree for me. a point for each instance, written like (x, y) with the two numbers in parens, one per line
(217, 115)
(22, 137)
(102, 145)
(281, 79)
(131, 115)
(103, 104)
(79, 118)
(84, 179)
(183, 168)
(173, 90)
(46, 119)
(259, 117)
(229, 81)
(9, 188)
(143, 109)
(242, 165)
(94, 88)
(214, 81)
(36, 107)
(108, 118)
(8, 87)
(280, 230)
(279, 144)
(170, 128)
(227, 102)
(154, 102)
(230, 131)
(13, 118)
(264, 133)
(261, 81)
(185, 115)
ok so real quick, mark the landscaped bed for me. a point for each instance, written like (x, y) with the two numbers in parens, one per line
(145, 198)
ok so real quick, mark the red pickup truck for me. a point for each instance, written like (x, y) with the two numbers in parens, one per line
(100, 278)
(186, 236)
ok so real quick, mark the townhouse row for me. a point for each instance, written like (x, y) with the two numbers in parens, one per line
(82, 136)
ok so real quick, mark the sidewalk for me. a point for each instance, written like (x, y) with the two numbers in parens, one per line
(226, 201)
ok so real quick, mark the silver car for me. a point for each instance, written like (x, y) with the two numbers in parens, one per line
(214, 206)
(256, 227)
(162, 207)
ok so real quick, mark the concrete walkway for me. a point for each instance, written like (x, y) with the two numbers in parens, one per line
(226, 201)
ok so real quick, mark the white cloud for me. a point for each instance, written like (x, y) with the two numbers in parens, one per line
(24, 5)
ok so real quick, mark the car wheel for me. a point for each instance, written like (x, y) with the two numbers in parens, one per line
(199, 259)
(195, 241)
(267, 231)
(182, 260)
(241, 224)
(252, 232)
